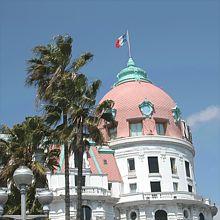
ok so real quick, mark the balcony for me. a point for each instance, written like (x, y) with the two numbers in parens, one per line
(87, 191)
(150, 140)
(159, 197)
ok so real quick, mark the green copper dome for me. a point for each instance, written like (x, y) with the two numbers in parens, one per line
(131, 73)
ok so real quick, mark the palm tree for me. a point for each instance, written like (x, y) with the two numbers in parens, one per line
(19, 147)
(83, 118)
(50, 64)
(69, 103)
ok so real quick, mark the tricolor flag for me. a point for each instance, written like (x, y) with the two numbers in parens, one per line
(121, 40)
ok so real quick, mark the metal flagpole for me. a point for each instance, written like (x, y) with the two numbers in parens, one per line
(129, 46)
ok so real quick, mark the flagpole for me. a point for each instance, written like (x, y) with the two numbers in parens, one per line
(129, 46)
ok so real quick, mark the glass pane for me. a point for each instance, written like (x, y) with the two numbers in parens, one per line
(155, 186)
(87, 213)
(132, 130)
(133, 187)
(173, 165)
(133, 216)
(175, 186)
(139, 129)
(153, 165)
(160, 128)
(135, 129)
(187, 169)
(131, 164)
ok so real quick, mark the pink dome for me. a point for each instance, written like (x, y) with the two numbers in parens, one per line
(129, 95)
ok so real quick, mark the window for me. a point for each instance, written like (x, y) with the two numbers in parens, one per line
(160, 215)
(133, 187)
(87, 213)
(155, 186)
(153, 165)
(175, 187)
(187, 169)
(201, 216)
(112, 132)
(133, 215)
(135, 129)
(160, 127)
(173, 165)
(105, 162)
(83, 180)
(186, 214)
(189, 188)
(131, 164)
(109, 186)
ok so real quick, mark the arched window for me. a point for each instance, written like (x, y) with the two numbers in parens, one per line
(87, 213)
(201, 216)
(160, 215)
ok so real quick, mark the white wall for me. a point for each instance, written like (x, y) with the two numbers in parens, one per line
(141, 176)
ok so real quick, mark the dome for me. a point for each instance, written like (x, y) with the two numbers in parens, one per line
(133, 92)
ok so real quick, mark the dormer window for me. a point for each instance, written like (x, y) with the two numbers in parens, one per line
(160, 127)
(135, 128)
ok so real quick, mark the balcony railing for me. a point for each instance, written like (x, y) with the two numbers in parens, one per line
(86, 191)
(165, 196)
(171, 195)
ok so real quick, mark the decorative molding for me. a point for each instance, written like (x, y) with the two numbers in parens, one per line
(146, 108)
(156, 140)
(176, 114)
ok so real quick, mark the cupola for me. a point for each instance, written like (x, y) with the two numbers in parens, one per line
(131, 73)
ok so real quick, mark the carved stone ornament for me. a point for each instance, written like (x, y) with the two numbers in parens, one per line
(146, 108)
(176, 114)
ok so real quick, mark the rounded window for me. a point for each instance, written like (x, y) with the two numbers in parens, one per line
(186, 214)
(160, 215)
(133, 215)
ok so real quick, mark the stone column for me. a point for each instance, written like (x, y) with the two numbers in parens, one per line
(142, 213)
(171, 216)
(123, 215)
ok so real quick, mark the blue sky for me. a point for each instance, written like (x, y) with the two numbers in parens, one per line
(176, 42)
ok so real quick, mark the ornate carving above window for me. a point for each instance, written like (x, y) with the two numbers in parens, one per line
(146, 108)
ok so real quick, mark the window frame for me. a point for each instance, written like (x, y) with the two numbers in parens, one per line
(173, 166)
(130, 159)
(109, 186)
(187, 169)
(162, 121)
(150, 166)
(135, 122)
(155, 182)
(132, 190)
(175, 189)
(190, 188)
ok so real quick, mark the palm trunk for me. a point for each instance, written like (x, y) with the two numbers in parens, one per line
(67, 181)
(79, 215)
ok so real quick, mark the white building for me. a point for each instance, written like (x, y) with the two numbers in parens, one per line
(147, 171)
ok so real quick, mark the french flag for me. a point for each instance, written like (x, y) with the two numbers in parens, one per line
(121, 40)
